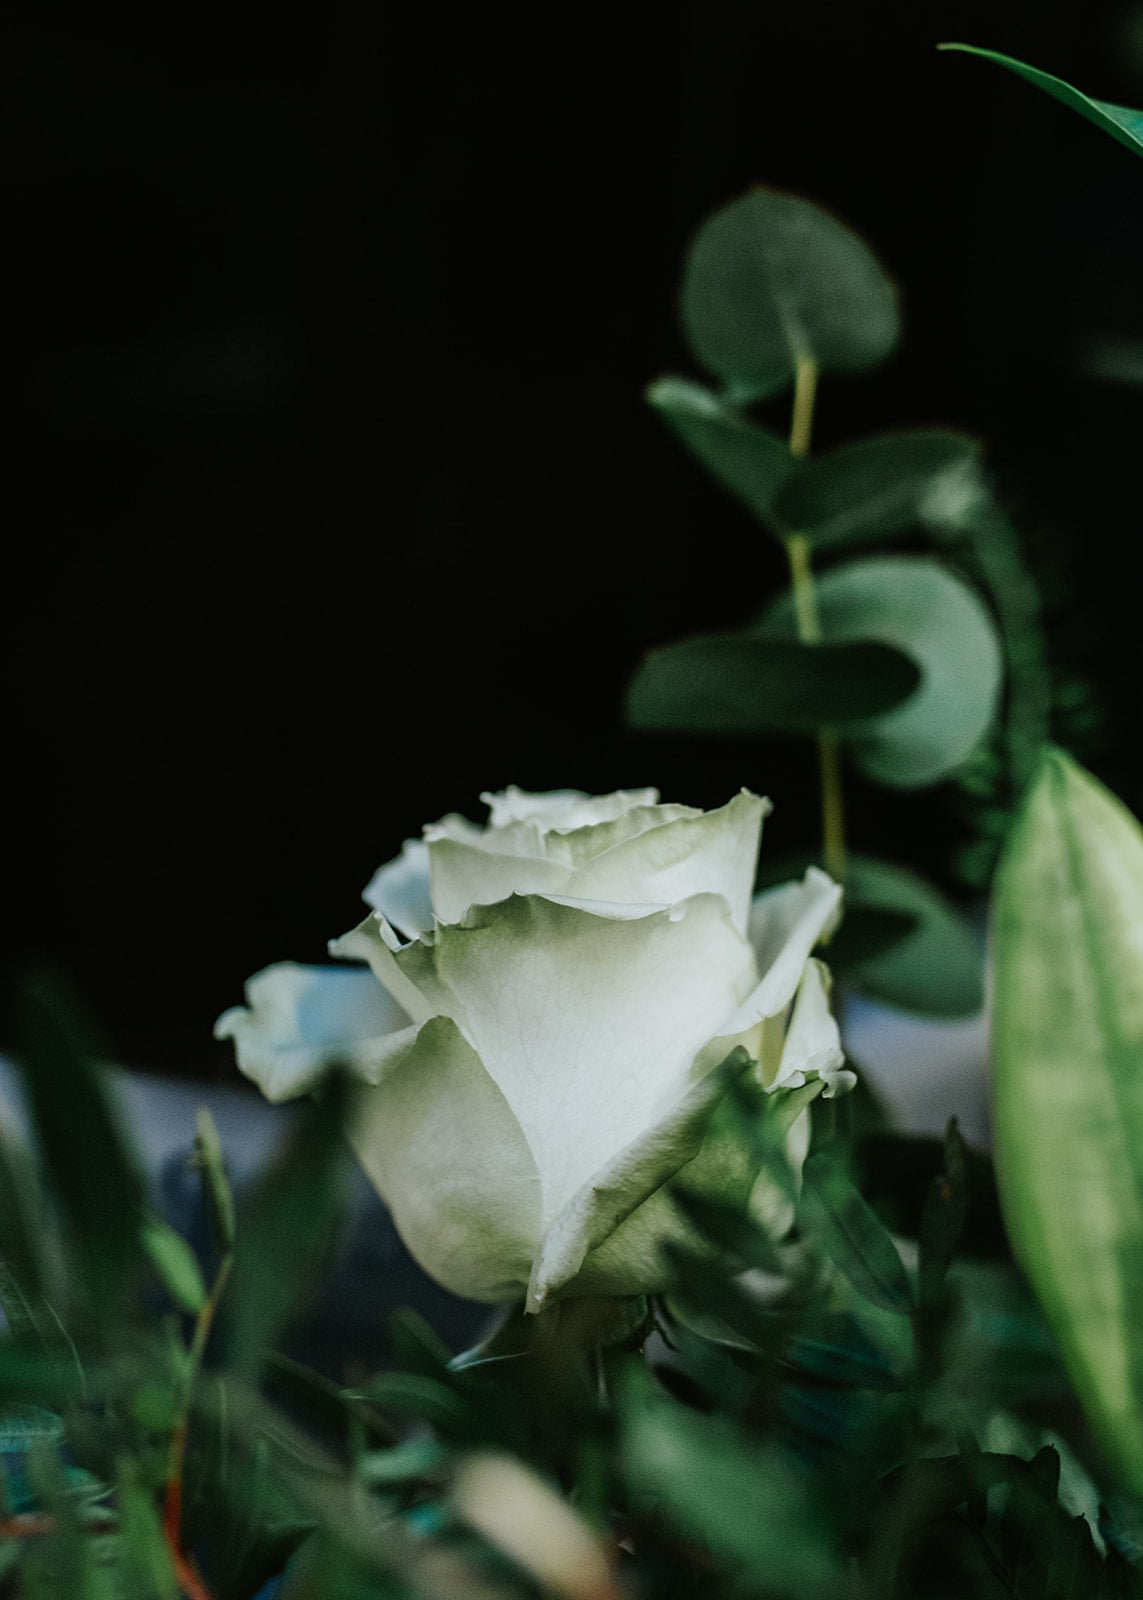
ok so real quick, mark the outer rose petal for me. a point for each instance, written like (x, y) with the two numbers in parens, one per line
(299, 1021)
(813, 1043)
(806, 913)
(400, 890)
(563, 808)
(442, 1148)
(647, 854)
(725, 1169)
(589, 1024)
(611, 1195)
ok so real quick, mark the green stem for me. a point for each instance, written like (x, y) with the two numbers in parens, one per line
(809, 626)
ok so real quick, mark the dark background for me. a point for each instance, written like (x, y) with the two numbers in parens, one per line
(332, 496)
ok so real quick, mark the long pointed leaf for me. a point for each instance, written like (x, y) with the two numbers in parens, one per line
(1120, 122)
(1067, 954)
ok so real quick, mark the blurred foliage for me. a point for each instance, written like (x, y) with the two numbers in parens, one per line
(922, 668)
(870, 1406)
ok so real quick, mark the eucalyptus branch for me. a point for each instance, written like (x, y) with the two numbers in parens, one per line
(809, 625)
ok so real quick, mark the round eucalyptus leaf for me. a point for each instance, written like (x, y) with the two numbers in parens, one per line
(872, 488)
(752, 463)
(918, 607)
(771, 277)
(936, 968)
(743, 684)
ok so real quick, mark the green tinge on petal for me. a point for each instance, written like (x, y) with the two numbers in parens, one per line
(468, 874)
(441, 1146)
(712, 852)
(803, 912)
(813, 1044)
(408, 971)
(299, 1021)
(625, 1183)
(590, 1024)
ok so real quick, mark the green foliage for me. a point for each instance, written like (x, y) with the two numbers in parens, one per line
(748, 684)
(771, 280)
(1119, 121)
(871, 489)
(805, 1415)
(917, 668)
(919, 608)
(1068, 1095)
(933, 966)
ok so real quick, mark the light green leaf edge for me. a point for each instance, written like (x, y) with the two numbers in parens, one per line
(917, 606)
(1120, 122)
(1067, 979)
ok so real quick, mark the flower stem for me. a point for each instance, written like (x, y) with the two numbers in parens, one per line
(809, 625)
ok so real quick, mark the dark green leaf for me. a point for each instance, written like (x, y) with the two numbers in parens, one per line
(920, 609)
(1119, 121)
(174, 1261)
(750, 1505)
(873, 488)
(750, 462)
(943, 1218)
(215, 1184)
(287, 1229)
(937, 968)
(413, 1395)
(1067, 1045)
(772, 278)
(742, 684)
(91, 1174)
(34, 1322)
(415, 1346)
(853, 1237)
(20, 1217)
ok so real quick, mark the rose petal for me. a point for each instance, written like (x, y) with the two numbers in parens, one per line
(626, 1181)
(407, 971)
(813, 1044)
(712, 852)
(563, 808)
(441, 1146)
(804, 917)
(589, 1024)
(400, 890)
(299, 1021)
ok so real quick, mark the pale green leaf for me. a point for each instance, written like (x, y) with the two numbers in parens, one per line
(921, 609)
(771, 279)
(1067, 960)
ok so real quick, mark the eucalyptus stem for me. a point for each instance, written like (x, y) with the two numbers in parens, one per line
(809, 625)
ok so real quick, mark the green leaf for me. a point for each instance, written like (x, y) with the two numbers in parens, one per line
(415, 1395)
(1067, 957)
(751, 1505)
(943, 1218)
(90, 1171)
(1119, 121)
(937, 967)
(750, 462)
(34, 1322)
(871, 489)
(20, 1217)
(915, 606)
(771, 278)
(287, 1228)
(175, 1262)
(215, 1185)
(853, 1237)
(746, 685)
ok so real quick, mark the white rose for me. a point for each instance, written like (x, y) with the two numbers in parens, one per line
(556, 1039)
